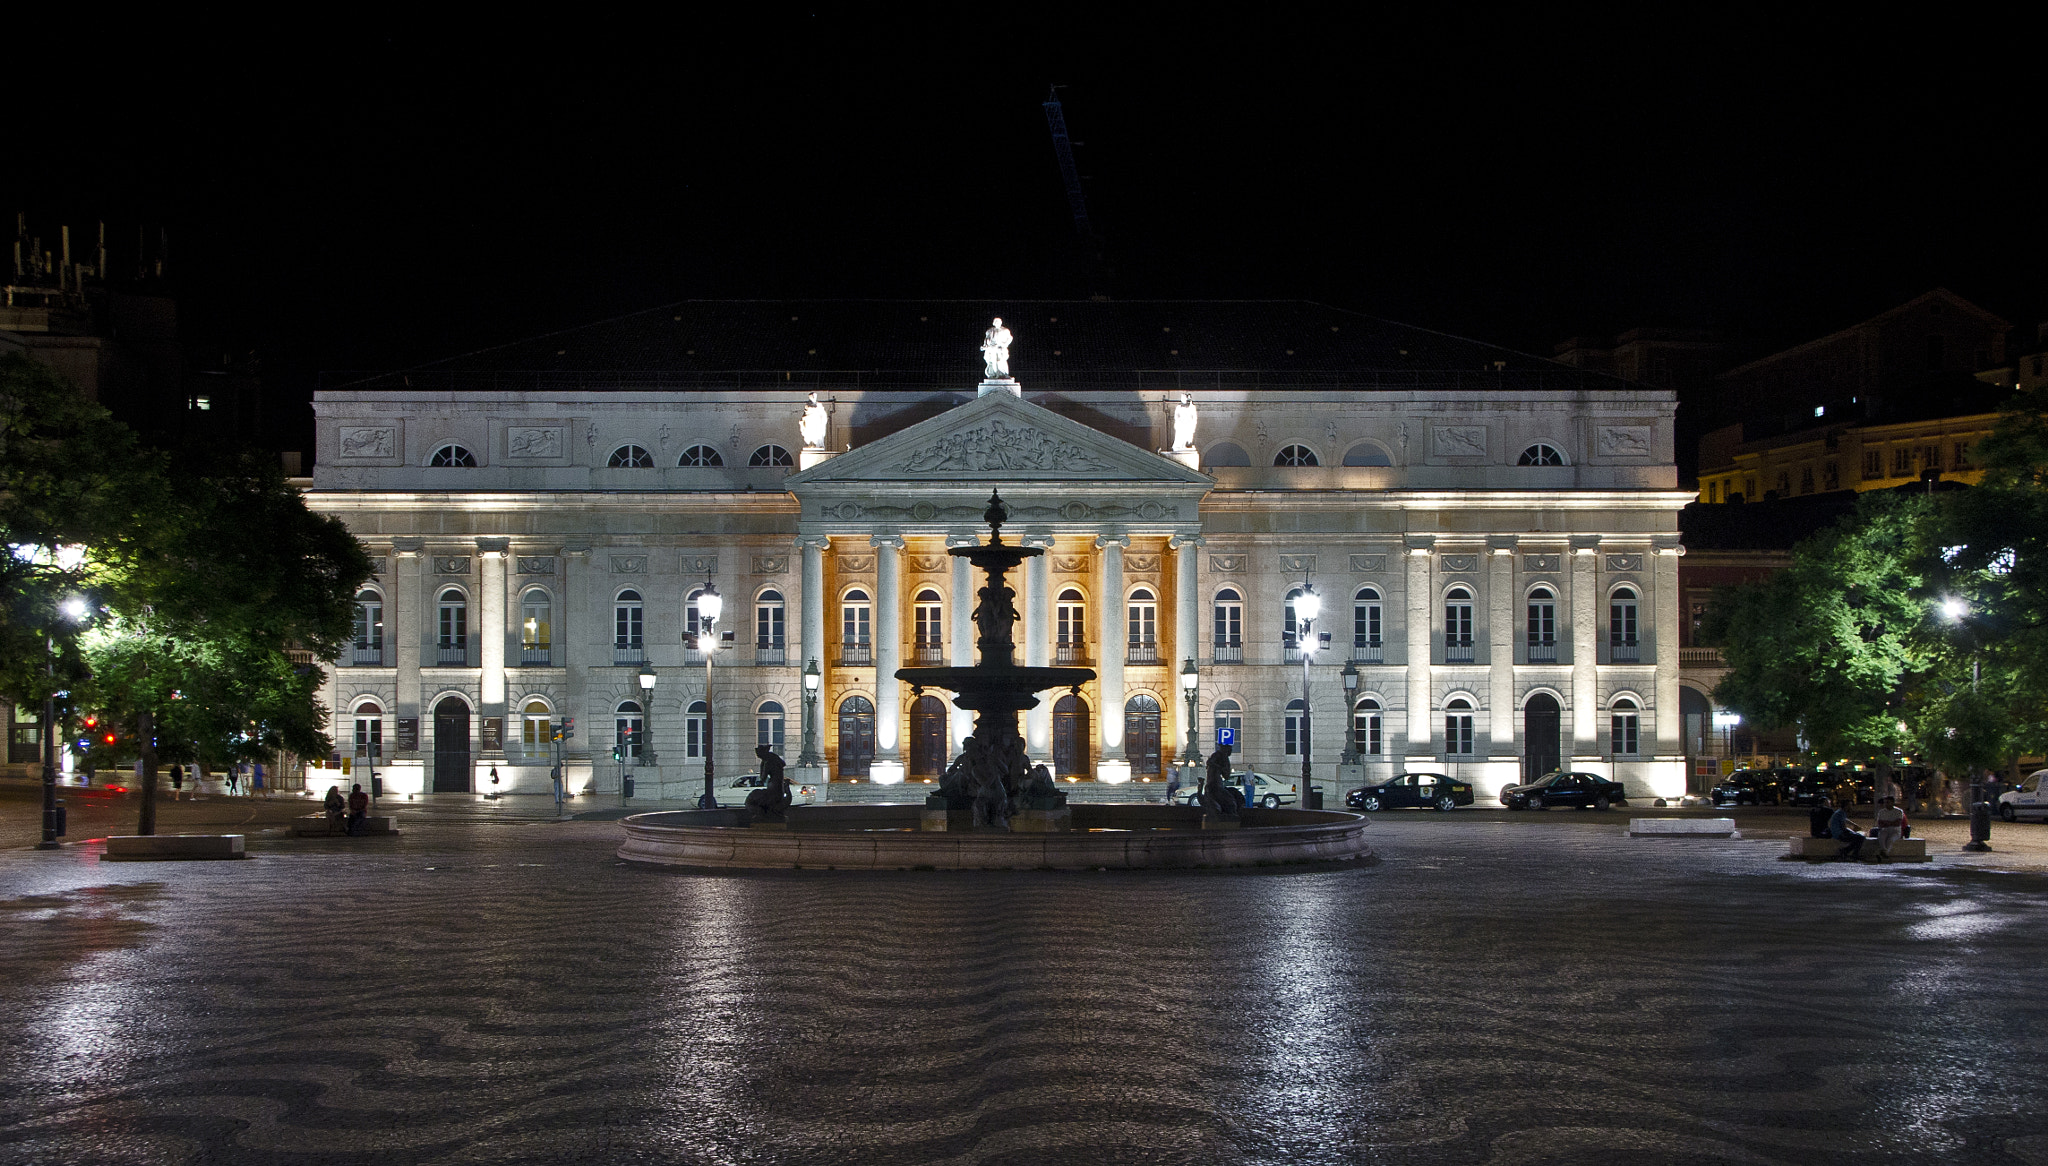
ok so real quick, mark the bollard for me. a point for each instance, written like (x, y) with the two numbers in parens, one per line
(1980, 827)
(61, 816)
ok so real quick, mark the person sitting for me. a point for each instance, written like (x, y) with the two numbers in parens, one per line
(1891, 826)
(1817, 821)
(336, 807)
(358, 807)
(1844, 831)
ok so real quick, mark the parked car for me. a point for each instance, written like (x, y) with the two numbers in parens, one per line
(1749, 787)
(746, 783)
(1267, 790)
(2029, 799)
(1421, 790)
(1584, 790)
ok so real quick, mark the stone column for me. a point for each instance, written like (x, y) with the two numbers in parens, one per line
(572, 647)
(1421, 632)
(1187, 630)
(960, 617)
(1585, 708)
(492, 630)
(811, 616)
(1670, 777)
(1037, 640)
(408, 636)
(1110, 680)
(888, 658)
(1503, 597)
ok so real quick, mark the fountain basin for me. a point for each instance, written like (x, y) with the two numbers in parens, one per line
(886, 836)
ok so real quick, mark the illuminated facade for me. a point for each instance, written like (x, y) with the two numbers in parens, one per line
(1496, 553)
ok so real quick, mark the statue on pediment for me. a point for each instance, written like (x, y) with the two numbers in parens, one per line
(1184, 422)
(813, 424)
(995, 351)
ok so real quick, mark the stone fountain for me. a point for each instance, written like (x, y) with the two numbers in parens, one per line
(991, 784)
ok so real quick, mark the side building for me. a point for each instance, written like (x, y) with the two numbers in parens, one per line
(1493, 539)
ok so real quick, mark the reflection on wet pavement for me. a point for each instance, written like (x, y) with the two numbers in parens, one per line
(1491, 993)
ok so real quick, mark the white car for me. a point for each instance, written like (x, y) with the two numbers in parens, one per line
(746, 783)
(2030, 800)
(1267, 790)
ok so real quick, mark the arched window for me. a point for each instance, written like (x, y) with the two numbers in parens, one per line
(1141, 736)
(1296, 455)
(1458, 728)
(536, 627)
(632, 729)
(369, 729)
(696, 729)
(536, 728)
(1621, 626)
(369, 643)
(1458, 626)
(1230, 715)
(1142, 628)
(1625, 728)
(929, 646)
(770, 647)
(770, 457)
(628, 623)
(1366, 645)
(701, 457)
(1070, 644)
(1228, 635)
(1366, 740)
(1297, 728)
(768, 725)
(1542, 626)
(694, 624)
(1541, 454)
(630, 457)
(856, 625)
(452, 641)
(453, 456)
(1367, 453)
(856, 736)
(1227, 453)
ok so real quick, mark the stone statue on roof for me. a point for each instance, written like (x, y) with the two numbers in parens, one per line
(1184, 422)
(995, 351)
(813, 424)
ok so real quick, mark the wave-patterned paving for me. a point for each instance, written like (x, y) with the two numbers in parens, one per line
(1491, 993)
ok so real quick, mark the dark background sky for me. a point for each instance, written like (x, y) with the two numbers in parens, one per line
(376, 191)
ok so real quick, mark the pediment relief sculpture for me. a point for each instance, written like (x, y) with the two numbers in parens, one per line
(1000, 446)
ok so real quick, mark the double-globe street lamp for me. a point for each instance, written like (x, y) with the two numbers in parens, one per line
(709, 605)
(646, 755)
(1190, 685)
(812, 679)
(1307, 606)
(1350, 730)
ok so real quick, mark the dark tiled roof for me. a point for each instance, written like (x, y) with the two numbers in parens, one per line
(920, 341)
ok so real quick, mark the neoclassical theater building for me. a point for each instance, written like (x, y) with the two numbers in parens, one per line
(1491, 537)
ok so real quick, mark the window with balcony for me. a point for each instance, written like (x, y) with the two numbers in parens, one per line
(769, 645)
(452, 641)
(1458, 646)
(1366, 609)
(536, 628)
(856, 629)
(1625, 728)
(369, 639)
(1621, 627)
(1141, 628)
(1366, 738)
(1542, 626)
(928, 645)
(1228, 634)
(1458, 728)
(629, 644)
(1070, 629)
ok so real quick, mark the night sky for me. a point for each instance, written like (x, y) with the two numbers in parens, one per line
(376, 194)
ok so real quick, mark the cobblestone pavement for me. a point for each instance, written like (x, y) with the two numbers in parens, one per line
(493, 987)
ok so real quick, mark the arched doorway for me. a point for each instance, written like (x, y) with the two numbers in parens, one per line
(856, 736)
(927, 736)
(1141, 735)
(1542, 722)
(1070, 737)
(451, 746)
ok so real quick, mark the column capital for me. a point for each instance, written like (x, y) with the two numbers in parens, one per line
(963, 539)
(892, 541)
(1418, 543)
(408, 546)
(493, 548)
(1668, 544)
(1187, 540)
(580, 552)
(1585, 544)
(1038, 539)
(1502, 544)
(813, 542)
(1119, 541)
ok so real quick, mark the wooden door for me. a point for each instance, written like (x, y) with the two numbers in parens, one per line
(1070, 737)
(451, 747)
(927, 737)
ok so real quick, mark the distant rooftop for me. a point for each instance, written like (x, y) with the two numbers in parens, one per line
(885, 343)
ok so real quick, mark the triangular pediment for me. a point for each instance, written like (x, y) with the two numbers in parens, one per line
(998, 437)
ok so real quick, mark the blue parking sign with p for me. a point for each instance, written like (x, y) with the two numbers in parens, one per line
(1226, 735)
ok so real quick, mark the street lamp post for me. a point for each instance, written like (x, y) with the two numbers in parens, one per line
(1190, 685)
(647, 755)
(812, 679)
(72, 609)
(709, 604)
(1350, 677)
(1307, 606)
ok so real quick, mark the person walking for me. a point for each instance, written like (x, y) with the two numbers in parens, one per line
(336, 807)
(177, 783)
(358, 805)
(555, 775)
(1891, 826)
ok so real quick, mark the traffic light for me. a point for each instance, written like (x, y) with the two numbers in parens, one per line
(615, 753)
(568, 727)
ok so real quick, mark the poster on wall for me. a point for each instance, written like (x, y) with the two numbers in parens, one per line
(408, 734)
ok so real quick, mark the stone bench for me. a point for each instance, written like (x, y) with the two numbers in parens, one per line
(1904, 850)
(161, 847)
(1683, 828)
(315, 826)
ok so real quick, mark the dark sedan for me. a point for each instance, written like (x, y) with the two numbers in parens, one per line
(1584, 790)
(1431, 791)
(1749, 788)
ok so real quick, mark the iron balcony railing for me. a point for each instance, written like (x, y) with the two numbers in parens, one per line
(1067, 655)
(629, 654)
(373, 655)
(1142, 652)
(1368, 652)
(858, 654)
(452, 655)
(928, 652)
(535, 655)
(1458, 650)
(770, 654)
(1630, 652)
(1228, 652)
(1543, 651)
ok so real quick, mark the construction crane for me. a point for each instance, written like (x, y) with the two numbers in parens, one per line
(1062, 146)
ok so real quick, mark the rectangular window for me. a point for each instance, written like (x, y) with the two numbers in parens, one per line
(1806, 479)
(1961, 459)
(1625, 734)
(627, 626)
(454, 626)
(369, 737)
(1365, 733)
(855, 625)
(768, 731)
(768, 626)
(1144, 623)
(1831, 476)
(1902, 461)
(1229, 625)
(1458, 734)
(693, 735)
(1873, 464)
(1365, 625)
(1930, 457)
(1296, 731)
